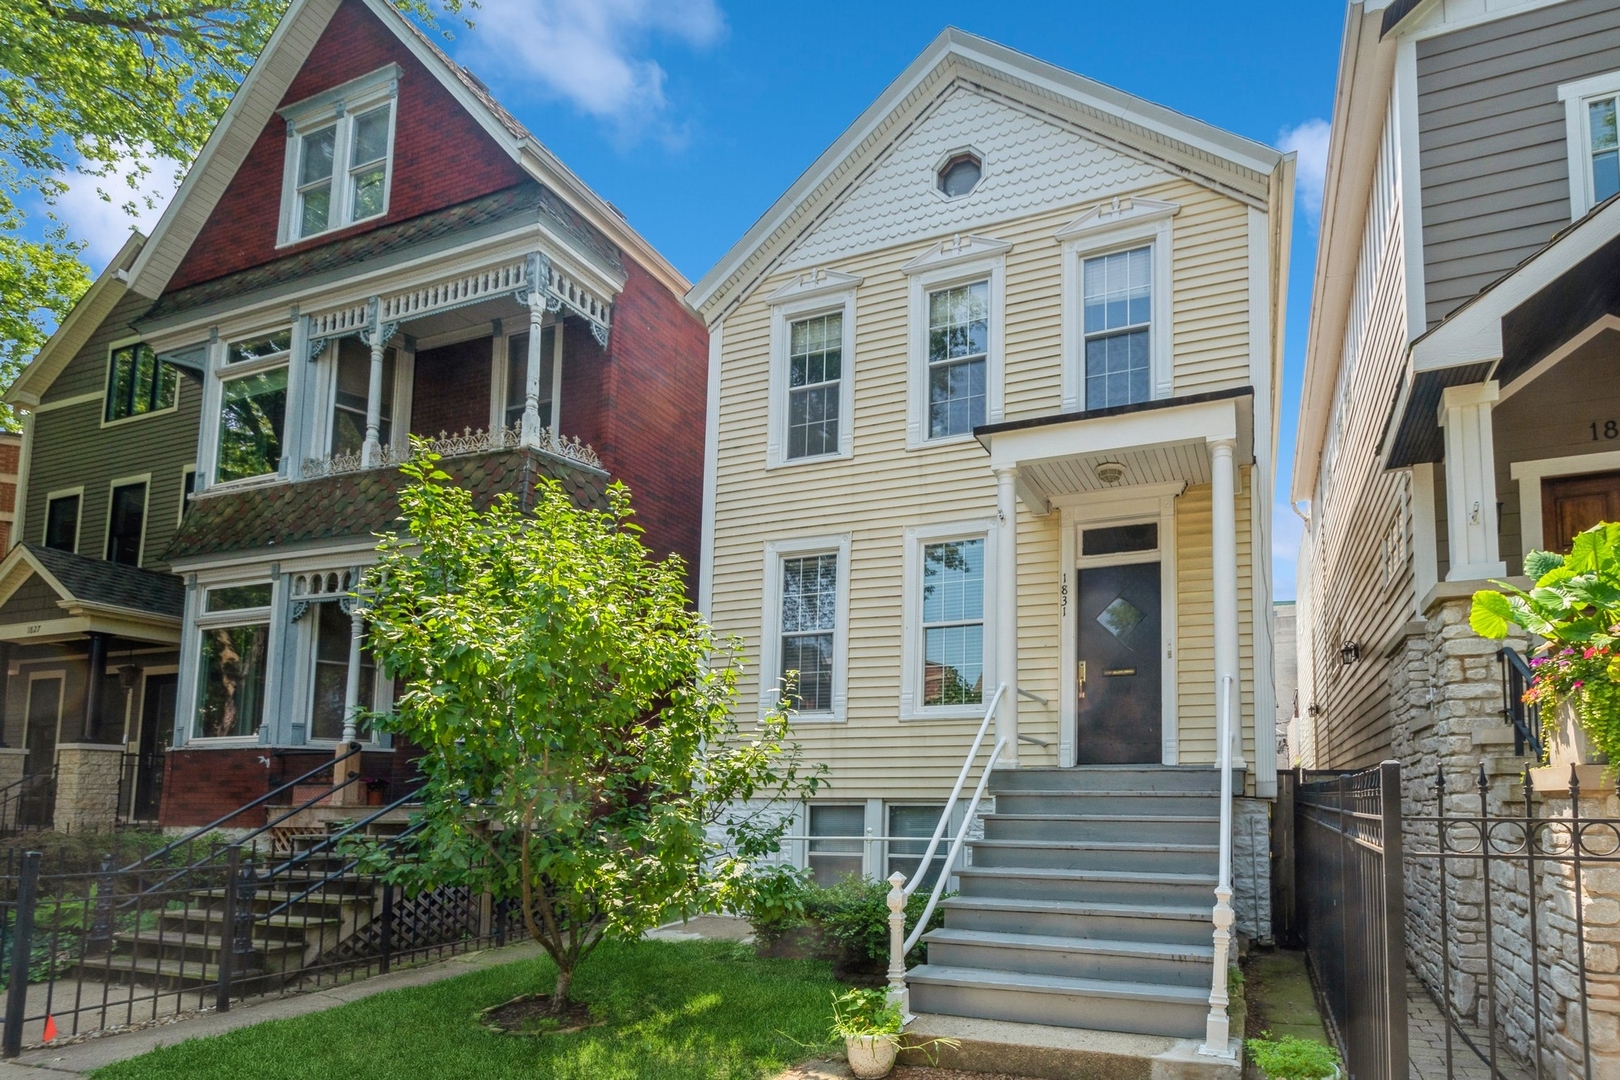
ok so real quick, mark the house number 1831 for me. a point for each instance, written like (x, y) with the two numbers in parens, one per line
(1605, 429)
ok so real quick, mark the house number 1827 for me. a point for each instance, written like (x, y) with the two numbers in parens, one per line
(1605, 429)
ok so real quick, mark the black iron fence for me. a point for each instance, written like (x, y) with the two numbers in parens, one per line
(28, 804)
(1475, 936)
(1351, 912)
(201, 925)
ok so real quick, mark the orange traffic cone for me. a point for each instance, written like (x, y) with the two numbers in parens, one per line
(50, 1027)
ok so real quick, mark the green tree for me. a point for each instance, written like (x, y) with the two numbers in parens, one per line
(103, 88)
(581, 752)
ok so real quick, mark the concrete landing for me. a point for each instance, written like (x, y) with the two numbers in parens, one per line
(1063, 1053)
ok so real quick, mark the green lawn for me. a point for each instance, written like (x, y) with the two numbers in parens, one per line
(675, 1011)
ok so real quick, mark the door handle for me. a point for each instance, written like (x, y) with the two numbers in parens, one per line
(1080, 676)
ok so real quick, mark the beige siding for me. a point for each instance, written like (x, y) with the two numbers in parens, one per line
(1359, 595)
(884, 489)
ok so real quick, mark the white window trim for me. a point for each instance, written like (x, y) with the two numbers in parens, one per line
(501, 359)
(221, 372)
(826, 292)
(770, 650)
(185, 470)
(208, 620)
(1122, 225)
(1089, 510)
(78, 523)
(134, 715)
(1578, 135)
(106, 384)
(960, 261)
(145, 480)
(339, 105)
(949, 156)
(911, 648)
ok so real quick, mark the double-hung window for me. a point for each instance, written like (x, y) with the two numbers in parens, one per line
(953, 622)
(836, 840)
(126, 523)
(805, 618)
(910, 828)
(253, 407)
(1118, 313)
(815, 377)
(943, 654)
(62, 521)
(958, 354)
(809, 619)
(234, 642)
(339, 156)
(138, 383)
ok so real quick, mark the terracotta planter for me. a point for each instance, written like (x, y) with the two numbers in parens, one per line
(374, 797)
(871, 1056)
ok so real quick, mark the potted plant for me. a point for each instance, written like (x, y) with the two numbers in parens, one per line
(869, 1023)
(376, 789)
(1574, 607)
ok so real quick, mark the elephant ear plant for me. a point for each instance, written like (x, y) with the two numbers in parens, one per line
(577, 718)
(1575, 606)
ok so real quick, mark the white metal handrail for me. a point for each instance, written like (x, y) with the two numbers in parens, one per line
(900, 890)
(1217, 1031)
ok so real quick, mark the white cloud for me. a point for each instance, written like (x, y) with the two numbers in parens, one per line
(1286, 532)
(101, 210)
(1310, 141)
(590, 52)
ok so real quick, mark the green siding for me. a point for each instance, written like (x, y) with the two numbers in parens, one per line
(34, 601)
(72, 448)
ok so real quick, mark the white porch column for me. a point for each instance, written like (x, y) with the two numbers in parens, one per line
(351, 687)
(1223, 549)
(1007, 612)
(1465, 413)
(530, 434)
(376, 336)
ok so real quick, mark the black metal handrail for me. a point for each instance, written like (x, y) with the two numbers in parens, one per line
(329, 877)
(197, 833)
(330, 840)
(1517, 675)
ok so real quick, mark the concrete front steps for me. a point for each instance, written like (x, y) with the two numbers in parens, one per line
(1087, 904)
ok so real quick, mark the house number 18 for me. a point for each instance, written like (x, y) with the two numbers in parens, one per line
(1605, 429)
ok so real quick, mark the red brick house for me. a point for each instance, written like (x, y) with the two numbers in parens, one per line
(368, 249)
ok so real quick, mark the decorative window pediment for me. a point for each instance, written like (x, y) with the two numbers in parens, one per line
(957, 249)
(1115, 214)
(813, 283)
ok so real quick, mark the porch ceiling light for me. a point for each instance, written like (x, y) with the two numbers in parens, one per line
(1110, 472)
(128, 677)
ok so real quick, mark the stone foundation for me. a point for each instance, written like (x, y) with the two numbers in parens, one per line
(87, 787)
(11, 771)
(1447, 714)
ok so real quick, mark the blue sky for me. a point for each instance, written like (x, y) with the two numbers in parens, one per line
(692, 116)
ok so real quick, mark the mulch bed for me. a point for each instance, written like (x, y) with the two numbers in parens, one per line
(530, 1014)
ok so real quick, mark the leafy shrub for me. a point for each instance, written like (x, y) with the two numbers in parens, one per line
(865, 1012)
(854, 914)
(774, 900)
(1293, 1058)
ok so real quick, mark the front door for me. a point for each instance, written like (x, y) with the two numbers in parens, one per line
(44, 714)
(1120, 711)
(157, 730)
(1573, 504)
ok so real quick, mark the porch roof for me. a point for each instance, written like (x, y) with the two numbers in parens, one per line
(77, 595)
(1154, 442)
(358, 504)
(1509, 329)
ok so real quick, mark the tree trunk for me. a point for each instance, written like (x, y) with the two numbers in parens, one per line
(559, 995)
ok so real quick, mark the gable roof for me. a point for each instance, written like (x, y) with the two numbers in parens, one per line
(29, 387)
(257, 99)
(1180, 143)
(93, 595)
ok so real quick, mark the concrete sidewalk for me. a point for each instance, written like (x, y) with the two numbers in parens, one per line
(97, 1052)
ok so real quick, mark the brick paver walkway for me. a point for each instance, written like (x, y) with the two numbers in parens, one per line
(1426, 1043)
